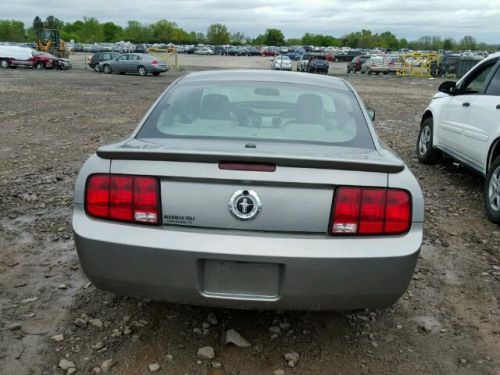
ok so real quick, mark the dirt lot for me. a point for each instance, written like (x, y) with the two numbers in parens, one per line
(447, 323)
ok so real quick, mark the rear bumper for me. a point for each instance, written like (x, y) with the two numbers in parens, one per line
(312, 272)
(158, 69)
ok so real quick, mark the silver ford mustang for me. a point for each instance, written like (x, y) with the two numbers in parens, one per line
(251, 189)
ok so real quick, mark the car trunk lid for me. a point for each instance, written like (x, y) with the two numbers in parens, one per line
(199, 182)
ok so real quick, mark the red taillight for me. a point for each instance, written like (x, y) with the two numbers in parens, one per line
(154, 62)
(370, 211)
(123, 198)
(397, 211)
(97, 196)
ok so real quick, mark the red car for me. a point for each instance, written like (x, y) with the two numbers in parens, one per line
(356, 63)
(270, 52)
(13, 57)
(330, 56)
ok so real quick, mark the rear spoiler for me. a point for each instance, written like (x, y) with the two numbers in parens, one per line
(364, 165)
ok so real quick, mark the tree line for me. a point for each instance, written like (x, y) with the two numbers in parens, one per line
(90, 30)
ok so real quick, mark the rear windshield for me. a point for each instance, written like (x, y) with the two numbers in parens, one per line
(250, 111)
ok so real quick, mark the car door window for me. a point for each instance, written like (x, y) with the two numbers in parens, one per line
(132, 57)
(106, 56)
(121, 58)
(494, 86)
(476, 81)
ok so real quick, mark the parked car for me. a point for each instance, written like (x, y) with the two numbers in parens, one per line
(318, 64)
(233, 51)
(94, 60)
(24, 57)
(253, 51)
(138, 63)
(347, 55)
(448, 64)
(204, 51)
(374, 65)
(281, 63)
(270, 52)
(251, 189)
(220, 50)
(303, 61)
(295, 56)
(190, 50)
(44, 60)
(140, 48)
(356, 63)
(394, 63)
(463, 121)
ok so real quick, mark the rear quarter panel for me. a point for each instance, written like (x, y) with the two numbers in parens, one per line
(94, 164)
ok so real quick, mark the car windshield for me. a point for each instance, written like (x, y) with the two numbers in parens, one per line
(260, 111)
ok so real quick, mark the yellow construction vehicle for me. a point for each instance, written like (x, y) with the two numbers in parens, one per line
(49, 40)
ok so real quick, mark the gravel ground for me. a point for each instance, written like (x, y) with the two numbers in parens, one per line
(52, 320)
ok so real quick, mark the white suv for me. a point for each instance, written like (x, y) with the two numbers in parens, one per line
(463, 121)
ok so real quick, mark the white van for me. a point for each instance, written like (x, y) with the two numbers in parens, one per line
(14, 55)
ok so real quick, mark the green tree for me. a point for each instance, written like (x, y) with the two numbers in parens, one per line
(217, 34)
(320, 40)
(111, 32)
(387, 40)
(163, 31)
(12, 31)
(361, 39)
(238, 38)
(403, 43)
(200, 38)
(137, 33)
(37, 25)
(468, 42)
(294, 42)
(52, 22)
(272, 37)
(436, 43)
(449, 44)
(91, 31)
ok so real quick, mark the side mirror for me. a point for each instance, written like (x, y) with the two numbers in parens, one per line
(371, 113)
(448, 87)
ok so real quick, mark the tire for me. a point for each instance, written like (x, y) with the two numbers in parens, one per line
(96, 68)
(107, 69)
(156, 74)
(4, 64)
(491, 192)
(39, 66)
(141, 70)
(426, 153)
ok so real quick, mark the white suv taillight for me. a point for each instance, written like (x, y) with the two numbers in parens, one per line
(134, 199)
(370, 211)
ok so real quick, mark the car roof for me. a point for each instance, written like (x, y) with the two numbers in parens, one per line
(264, 76)
(492, 56)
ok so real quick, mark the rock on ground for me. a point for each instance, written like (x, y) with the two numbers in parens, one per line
(207, 352)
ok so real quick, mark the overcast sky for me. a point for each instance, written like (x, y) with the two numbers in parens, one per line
(406, 18)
